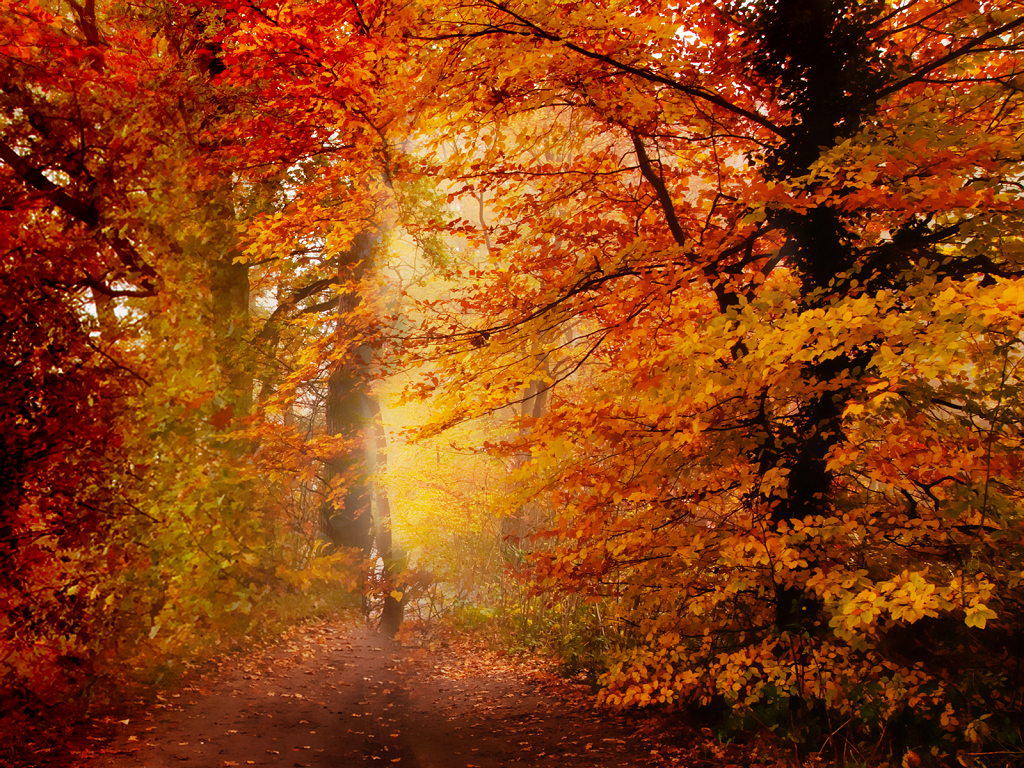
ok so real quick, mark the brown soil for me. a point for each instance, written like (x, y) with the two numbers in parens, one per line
(337, 695)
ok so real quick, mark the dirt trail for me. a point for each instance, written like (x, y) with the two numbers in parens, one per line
(339, 696)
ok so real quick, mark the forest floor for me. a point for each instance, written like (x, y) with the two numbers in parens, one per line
(336, 694)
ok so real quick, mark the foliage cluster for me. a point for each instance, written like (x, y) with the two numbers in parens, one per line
(762, 259)
(737, 283)
(144, 517)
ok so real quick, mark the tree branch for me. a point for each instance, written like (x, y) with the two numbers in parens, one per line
(88, 214)
(533, 30)
(953, 55)
(656, 181)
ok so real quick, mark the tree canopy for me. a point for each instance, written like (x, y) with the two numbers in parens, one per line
(737, 285)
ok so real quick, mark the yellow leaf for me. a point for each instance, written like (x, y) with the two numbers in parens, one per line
(977, 615)
(853, 409)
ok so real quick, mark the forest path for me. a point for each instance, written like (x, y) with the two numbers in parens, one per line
(340, 696)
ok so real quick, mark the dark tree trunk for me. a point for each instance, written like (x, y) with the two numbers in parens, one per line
(818, 51)
(347, 518)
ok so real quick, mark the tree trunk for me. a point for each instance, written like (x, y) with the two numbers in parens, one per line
(393, 612)
(346, 515)
(813, 48)
(229, 292)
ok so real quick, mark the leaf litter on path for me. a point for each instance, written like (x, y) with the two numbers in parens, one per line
(339, 695)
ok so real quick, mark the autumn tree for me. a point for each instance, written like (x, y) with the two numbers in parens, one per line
(73, 255)
(329, 107)
(136, 519)
(773, 254)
